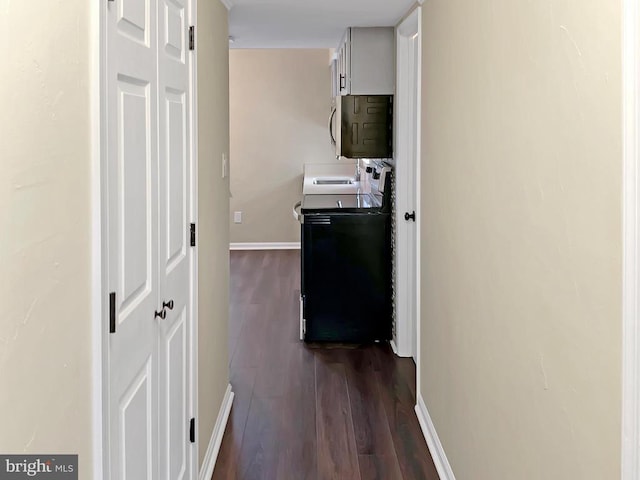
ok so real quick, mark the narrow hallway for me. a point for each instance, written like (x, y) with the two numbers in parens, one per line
(310, 412)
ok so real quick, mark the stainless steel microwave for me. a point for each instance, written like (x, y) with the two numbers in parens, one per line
(361, 126)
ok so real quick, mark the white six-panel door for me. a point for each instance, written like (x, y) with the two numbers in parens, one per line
(174, 268)
(147, 92)
(132, 158)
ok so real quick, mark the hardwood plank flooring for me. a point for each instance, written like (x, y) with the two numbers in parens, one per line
(310, 412)
(337, 452)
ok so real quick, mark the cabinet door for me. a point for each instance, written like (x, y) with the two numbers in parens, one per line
(347, 62)
(334, 78)
(343, 67)
(341, 71)
(371, 62)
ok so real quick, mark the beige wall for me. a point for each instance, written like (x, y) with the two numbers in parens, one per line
(280, 104)
(521, 237)
(45, 229)
(213, 227)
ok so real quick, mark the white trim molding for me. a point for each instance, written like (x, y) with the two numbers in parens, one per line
(265, 246)
(97, 16)
(433, 442)
(211, 455)
(194, 455)
(631, 245)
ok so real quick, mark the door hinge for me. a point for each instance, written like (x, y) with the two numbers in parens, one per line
(192, 37)
(192, 430)
(112, 312)
(192, 231)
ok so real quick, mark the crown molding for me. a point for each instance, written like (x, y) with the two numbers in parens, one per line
(227, 3)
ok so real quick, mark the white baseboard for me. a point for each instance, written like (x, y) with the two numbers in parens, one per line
(433, 442)
(265, 246)
(400, 353)
(210, 457)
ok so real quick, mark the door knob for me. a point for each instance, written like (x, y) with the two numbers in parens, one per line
(162, 314)
(168, 305)
(410, 216)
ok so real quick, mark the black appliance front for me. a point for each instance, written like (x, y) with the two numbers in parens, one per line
(366, 126)
(346, 277)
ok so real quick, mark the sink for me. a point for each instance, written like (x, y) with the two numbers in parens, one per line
(333, 181)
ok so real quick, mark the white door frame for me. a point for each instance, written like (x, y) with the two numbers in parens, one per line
(631, 242)
(193, 212)
(99, 313)
(405, 337)
(99, 253)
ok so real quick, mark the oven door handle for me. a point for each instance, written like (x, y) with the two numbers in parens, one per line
(296, 214)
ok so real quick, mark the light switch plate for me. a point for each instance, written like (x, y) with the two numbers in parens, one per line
(237, 217)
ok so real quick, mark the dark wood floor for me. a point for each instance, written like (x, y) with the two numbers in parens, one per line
(311, 412)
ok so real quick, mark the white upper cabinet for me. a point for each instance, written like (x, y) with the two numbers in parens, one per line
(335, 91)
(365, 62)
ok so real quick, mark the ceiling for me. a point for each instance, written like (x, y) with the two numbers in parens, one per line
(306, 23)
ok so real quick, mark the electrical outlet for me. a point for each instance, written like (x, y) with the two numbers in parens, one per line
(237, 217)
(225, 165)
